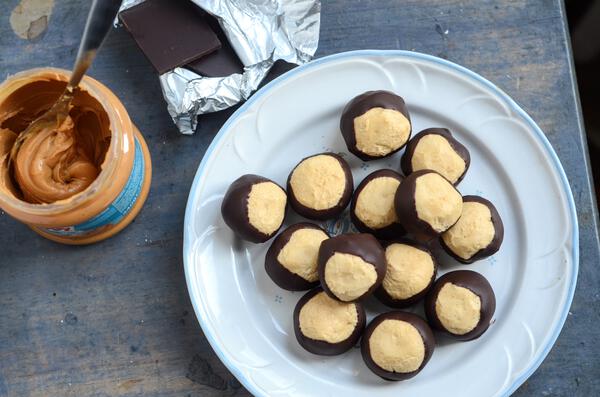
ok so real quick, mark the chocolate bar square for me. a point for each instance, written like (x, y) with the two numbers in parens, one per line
(221, 62)
(171, 33)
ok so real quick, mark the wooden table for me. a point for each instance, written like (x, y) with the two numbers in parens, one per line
(114, 319)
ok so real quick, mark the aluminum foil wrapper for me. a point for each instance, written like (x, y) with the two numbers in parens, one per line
(261, 32)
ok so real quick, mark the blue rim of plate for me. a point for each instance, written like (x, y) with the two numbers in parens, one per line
(249, 385)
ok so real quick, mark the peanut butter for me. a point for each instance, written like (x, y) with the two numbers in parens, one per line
(80, 178)
(64, 156)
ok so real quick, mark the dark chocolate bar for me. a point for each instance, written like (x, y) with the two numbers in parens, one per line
(170, 33)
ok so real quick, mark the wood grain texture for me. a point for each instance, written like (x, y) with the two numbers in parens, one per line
(114, 319)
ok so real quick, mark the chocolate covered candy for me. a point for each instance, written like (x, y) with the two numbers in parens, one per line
(375, 124)
(326, 326)
(351, 266)
(437, 150)
(461, 304)
(291, 261)
(372, 209)
(411, 270)
(397, 345)
(477, 234)
(320, 186)
(427, 204)
(254, 208)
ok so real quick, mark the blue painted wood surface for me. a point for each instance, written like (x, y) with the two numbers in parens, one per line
(114, 319)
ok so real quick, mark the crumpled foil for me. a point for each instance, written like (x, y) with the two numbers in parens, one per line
(261, 32)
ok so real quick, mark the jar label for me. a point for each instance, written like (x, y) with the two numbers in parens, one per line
(118, 209)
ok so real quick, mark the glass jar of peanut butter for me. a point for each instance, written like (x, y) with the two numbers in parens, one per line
(80, 181)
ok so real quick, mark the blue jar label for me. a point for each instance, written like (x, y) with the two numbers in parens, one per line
(118, 209)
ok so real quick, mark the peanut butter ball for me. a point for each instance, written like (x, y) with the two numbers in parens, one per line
(427, 204)
(375, 124)
(461, 304)
(326, 326)
(397, 345)
(411, 271)
(320, 186)
(351, 266)
(254, 208)
(291, 261)
(477, 234)
(436, 149)
(373, 209)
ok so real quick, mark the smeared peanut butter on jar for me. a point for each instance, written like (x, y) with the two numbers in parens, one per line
(80, 178)
(62, 157)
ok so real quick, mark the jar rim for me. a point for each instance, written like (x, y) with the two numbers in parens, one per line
(118, 120)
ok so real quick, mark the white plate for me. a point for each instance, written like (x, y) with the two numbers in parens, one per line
(248, 319)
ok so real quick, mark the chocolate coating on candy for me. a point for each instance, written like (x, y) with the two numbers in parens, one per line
(362, 104)
(391, 340)
(460, 235)
(238, 209)
(351, 266)
(432, 197)
(436, 149)
(459, 306)
(280, 272)
(411, 271)
(379, 208)
(333, 318)
(313, 178)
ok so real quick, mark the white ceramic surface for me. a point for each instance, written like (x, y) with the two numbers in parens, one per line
(248, 319)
